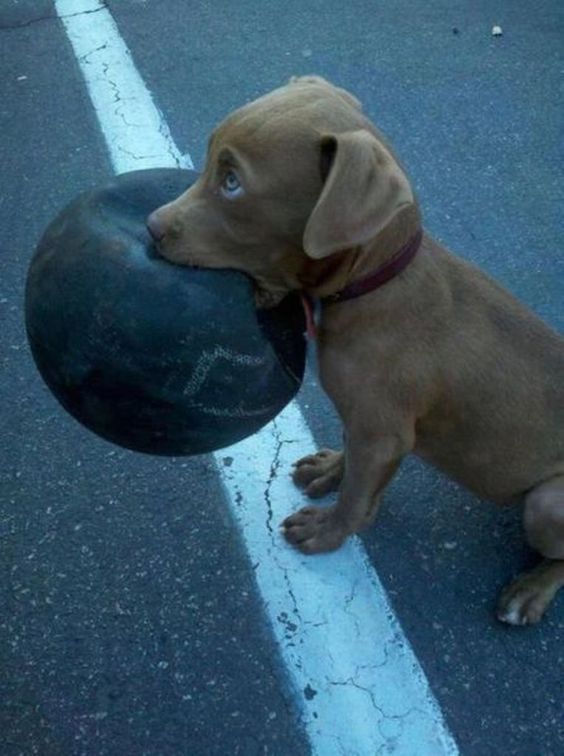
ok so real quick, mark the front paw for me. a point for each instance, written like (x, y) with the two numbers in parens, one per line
(319, 473)
(314, 530)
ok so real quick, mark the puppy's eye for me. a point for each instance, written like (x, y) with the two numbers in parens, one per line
(231, 186)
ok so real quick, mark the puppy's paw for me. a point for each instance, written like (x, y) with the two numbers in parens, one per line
(525, 600)
(314, 530)
(320, 473)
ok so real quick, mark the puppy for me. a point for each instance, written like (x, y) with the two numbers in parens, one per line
(418, 350)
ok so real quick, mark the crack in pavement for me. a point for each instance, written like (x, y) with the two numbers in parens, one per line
(52, 17)
(273, 474)
(88, 54)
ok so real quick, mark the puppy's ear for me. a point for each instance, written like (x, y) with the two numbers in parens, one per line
(364, 189)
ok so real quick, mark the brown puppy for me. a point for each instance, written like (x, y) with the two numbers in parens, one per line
(301, 191)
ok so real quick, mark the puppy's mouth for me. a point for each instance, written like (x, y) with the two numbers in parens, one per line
(264, 298)
(266, 295)
(181, 258)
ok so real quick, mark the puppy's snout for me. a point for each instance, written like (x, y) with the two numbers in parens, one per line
(156, 226)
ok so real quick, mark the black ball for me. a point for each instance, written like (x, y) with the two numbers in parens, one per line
(155, 357)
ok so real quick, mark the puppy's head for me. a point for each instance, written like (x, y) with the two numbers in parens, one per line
(291, 179)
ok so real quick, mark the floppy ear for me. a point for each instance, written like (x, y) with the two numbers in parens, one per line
(365, 188)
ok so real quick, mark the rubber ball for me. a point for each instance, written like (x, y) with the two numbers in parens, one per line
(155, 357)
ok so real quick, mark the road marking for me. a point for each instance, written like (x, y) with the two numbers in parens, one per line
(360, 687)
(134, 128)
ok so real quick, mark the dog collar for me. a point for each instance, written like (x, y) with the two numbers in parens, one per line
(363, 285)
(390, 269)
(309, 314)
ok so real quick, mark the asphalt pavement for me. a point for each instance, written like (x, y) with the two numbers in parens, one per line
(130, 621)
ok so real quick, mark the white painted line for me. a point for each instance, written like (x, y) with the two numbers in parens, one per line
(358, 682)
(135, 131)
(362, 689)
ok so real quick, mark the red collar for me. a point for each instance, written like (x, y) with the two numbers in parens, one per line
(381, 275)
(390, 269)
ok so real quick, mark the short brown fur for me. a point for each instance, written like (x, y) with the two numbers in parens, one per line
(441, 361)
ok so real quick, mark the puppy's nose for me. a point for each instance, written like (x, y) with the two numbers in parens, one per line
(156, 226)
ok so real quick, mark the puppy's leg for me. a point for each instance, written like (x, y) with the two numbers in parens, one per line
(370, 460)
(527, 598)
(320, 473)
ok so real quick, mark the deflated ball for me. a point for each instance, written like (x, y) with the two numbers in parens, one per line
(155, 357)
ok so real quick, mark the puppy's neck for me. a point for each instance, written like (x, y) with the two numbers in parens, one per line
(389, 241)
(330, 276)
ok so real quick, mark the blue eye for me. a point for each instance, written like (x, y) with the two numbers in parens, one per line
(231, 186)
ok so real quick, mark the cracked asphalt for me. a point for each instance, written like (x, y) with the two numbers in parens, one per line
(129, 616)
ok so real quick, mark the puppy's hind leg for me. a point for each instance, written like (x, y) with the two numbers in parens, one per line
(525, 600)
